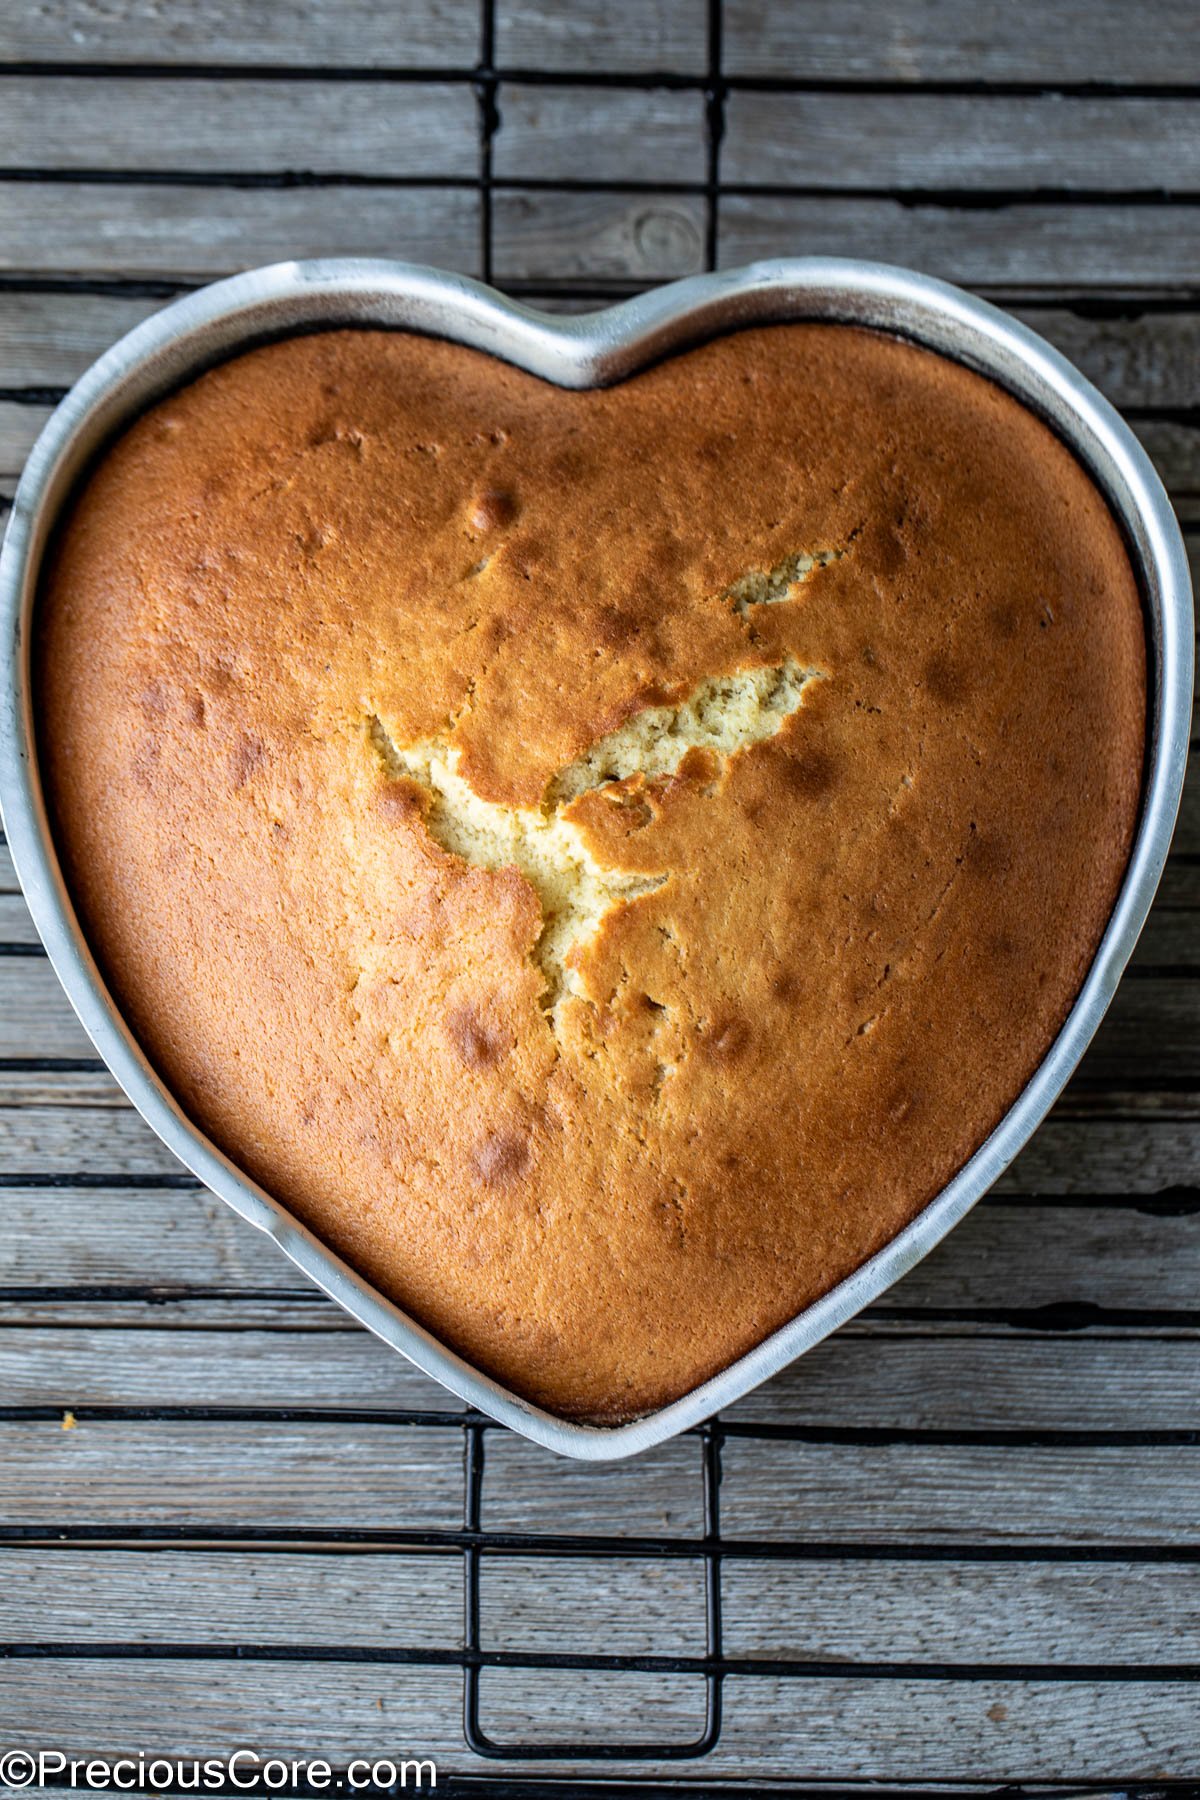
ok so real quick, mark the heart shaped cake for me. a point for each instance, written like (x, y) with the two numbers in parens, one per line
(603, 860)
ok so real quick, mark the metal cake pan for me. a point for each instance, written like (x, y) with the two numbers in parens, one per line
(599, 348)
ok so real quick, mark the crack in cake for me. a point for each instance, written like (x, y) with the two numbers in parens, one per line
(723, 715)
(604, 860)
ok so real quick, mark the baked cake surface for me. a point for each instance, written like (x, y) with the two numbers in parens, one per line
(604, 860)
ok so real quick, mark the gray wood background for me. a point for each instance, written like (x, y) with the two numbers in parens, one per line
(960, 1540)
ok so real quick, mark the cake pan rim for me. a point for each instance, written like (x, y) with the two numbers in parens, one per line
(587, 350)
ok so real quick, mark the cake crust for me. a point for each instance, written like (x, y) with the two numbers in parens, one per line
(604, 860)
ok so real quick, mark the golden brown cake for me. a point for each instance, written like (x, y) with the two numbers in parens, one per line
(604, 860)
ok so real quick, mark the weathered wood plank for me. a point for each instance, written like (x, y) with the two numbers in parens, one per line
(210, 127)
(58, 1084)
(657, 1493)
(943, 40)
(833, 1611)
(984, 1384)
(35, 1015)
(1005, 1255)
(347, 1370)
(242, 1596)
(180, 233)
(318, 1710)
(134, 1237)
(1144, 359)
(20, 424)
(943, 1611)
(1024, 246)
(958, 1612)
(195, 1472)
(630, 1606)
(1151, 1031)
(242, 33)
(1090, 1155)
(159, 1309)
(962, 142)
(631, 36)
(965, 1493)
(1120, 1383)
(639, 1606)
(1174, 448)
(634, 1606)
(565, 237)
(934, 1730)
(98, 1140)
(16, 926)
(1171, 937)
(629, 133)
(48, 340)
(835, 1728)
(1179, 889)
(891, 1494)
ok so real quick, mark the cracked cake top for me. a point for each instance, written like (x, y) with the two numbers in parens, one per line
(604, 860)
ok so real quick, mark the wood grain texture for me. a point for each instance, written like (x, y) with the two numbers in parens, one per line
(196, 1474)
(653, 1495)
(962, 1612)
(184, 233)
(48, 340)
(863, 1611)
(20, 424)
(373, 128)
(911, 41)
(636, 36)
(1020, 247)
(16, 926)
(835, 1728)
(101, 1139)
(640, 1606)
(631, 133)
(1140, 359)
(201, 1473)
(915, 1493)
(229, 1597)
(962, 143)
(242, 33)
(347, 1370)
(1134, 1152)
(563, 237)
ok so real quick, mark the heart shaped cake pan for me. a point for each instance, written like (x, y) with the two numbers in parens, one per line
(594, 350)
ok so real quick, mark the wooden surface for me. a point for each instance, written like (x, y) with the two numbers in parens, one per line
(960, 1541)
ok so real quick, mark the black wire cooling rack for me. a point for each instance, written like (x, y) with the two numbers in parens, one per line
(706, 1662)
